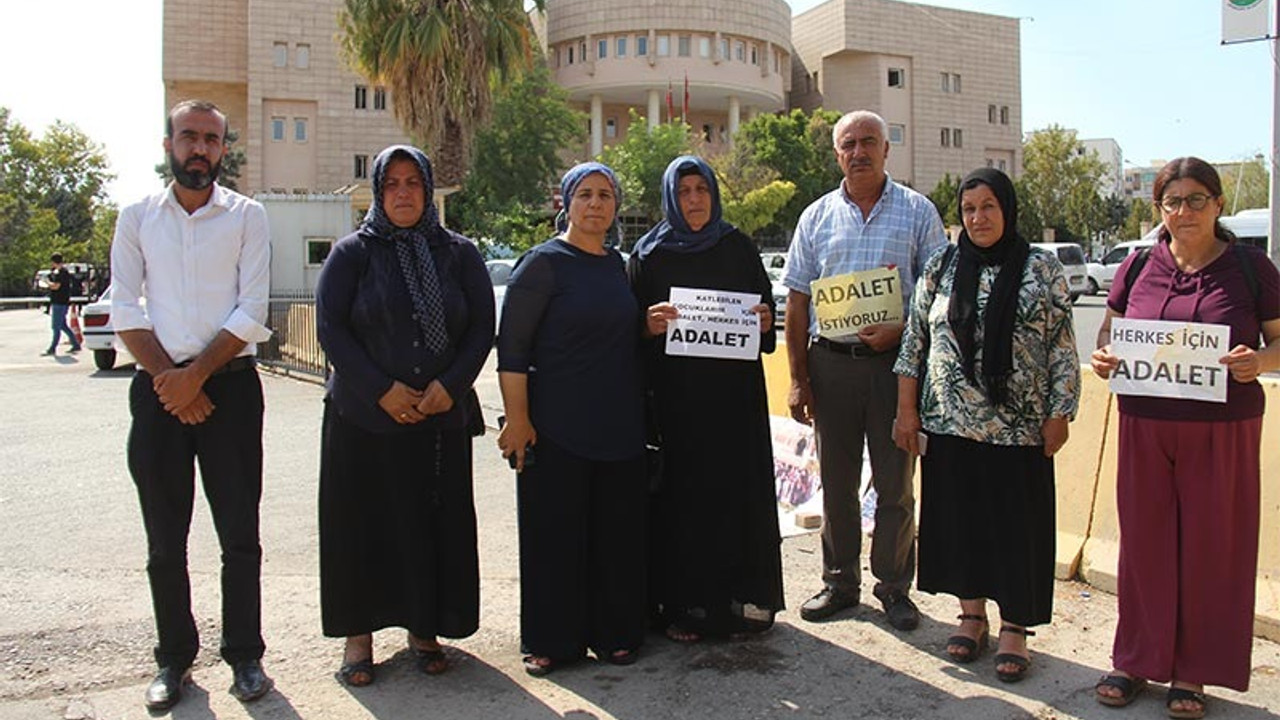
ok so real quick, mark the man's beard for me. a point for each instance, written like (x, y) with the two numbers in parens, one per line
(194, 179)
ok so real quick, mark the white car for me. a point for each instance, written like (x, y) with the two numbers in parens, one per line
(499, 275)
(1111, 261)
(1072, 259)
(1094, 283)
(95, 321)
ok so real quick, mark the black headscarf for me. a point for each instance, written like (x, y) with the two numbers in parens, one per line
(412, 244)
(1010, 254)
(673, 231)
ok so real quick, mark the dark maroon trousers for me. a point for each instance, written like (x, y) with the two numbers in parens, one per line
(1188, 499)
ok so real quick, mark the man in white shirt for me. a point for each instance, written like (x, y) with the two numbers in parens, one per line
(201, 256)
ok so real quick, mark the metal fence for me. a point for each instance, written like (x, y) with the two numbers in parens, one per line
(293, 347)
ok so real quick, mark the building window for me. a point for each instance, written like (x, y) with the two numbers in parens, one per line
(816, 86)
(724, 48)
(704, 47)
(622, 48)
(897, 134)
(946, 137)
(379, 98)
(1004, 114)
(317, 250)
(755, 55)
(555, 58)
(277, 129)
(1002, 167)
(570, 54)
(946, 82)
(683, 43)
(991, 114)
(957, 138)
(302, 56)
(955, 82)
(361, 169)
(642, 45)
(280, 54)
(300, 130)
(582, 51)
(602, 49)
(897, 78)
(664, 45)
(991, 163)
(611, 128)
(706, 133)
(739, 51)
(362, 97)
(776, 63)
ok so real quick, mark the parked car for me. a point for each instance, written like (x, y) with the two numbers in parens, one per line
(95, 321)
(1094, 282)
(1116, 255)
(773, 260)
(1072, 259)
(779, 296)
(499, 274)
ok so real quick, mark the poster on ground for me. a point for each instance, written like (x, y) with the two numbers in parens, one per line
(844, 304)
(714, 324)
(1163, 358)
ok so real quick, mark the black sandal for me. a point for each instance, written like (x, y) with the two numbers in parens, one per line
(534, 667)
(1129, 688)
(1022, 663)
(1177, 694)
(431, 662)
(973, 648)
(357, 674)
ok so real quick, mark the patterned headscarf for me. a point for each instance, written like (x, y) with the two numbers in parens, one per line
(673, 232)
(569, 185)
(411, 244)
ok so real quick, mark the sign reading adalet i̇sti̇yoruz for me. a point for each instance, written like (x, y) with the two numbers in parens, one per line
(844, 304)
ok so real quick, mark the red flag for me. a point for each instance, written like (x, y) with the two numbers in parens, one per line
(684, 109)
(671, 111)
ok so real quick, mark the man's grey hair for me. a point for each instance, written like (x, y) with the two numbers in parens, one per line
(858, 116)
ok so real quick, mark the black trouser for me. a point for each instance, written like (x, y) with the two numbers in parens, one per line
(582, 554)
(228, 446)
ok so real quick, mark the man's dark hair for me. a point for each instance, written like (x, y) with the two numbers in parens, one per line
(56, 257)
(198, 105)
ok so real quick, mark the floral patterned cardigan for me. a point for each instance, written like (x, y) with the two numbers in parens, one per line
(1046, 369)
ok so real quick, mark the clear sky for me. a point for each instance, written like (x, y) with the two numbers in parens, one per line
(1152, 75)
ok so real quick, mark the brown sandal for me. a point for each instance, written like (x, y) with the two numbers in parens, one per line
(973, 648)
(1021, 663)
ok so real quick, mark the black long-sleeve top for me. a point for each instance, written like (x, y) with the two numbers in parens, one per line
(366, 324)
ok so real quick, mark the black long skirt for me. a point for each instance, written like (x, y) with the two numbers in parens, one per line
(987, 525)
(397, 531)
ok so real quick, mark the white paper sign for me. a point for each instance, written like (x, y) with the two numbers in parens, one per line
(714, 324)
(1161, 358)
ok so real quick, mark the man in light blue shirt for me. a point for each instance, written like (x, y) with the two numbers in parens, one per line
(846, 388)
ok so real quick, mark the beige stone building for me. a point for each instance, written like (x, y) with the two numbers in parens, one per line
(948, 82)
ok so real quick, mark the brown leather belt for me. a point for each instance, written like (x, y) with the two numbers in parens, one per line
(858, 350)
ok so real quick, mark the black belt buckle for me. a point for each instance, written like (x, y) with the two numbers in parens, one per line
(858, 350)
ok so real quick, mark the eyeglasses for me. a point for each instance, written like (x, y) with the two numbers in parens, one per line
(1194, 201)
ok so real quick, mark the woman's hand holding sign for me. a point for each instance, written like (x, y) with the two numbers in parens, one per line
(658, 316)
(766, 317)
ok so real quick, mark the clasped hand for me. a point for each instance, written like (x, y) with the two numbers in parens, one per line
(407, 406)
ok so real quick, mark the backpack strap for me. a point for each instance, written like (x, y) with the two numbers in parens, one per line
(1247, 267)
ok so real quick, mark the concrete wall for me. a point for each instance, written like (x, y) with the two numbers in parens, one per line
(294, 219)
(1087, 531)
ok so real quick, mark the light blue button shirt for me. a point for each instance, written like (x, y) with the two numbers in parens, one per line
(833, 238)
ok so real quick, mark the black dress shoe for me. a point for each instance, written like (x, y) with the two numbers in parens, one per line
(166, 690)
(902, 613)
(249, 681)
(826, 603)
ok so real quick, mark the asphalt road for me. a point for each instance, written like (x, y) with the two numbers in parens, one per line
(76, 629)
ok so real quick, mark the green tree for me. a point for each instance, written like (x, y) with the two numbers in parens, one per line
(751, 195)
(640, 159)
(946, 198)
(1059, 188)
(232, 161)
(1245, 185)
(439, 58)
(797, 147)
(1140, 210)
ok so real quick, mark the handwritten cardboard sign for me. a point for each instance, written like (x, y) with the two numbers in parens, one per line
(844, 304)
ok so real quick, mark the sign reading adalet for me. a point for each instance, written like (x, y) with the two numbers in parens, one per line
(1161, 358)
(844, 304)
(714, 324)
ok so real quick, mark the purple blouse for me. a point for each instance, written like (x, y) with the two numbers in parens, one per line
(1217, 294)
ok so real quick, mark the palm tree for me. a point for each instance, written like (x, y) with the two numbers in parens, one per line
(438, 59)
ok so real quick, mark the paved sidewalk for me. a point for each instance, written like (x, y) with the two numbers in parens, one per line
(76, 628)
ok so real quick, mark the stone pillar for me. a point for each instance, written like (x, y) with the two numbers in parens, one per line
(735, 115)
(597, 126)
(655, 109)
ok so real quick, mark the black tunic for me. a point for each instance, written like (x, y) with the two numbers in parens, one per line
(715, 545)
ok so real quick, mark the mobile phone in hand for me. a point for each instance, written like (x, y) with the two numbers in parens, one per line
(529, 458)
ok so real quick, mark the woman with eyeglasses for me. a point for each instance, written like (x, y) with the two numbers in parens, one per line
(1187, 484)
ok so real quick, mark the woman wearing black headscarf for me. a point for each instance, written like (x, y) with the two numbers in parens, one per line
(715, 557)
(404, 311)
(988, 378)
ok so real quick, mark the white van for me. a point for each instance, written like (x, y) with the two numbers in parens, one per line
(1072, 259)
(1251, 227)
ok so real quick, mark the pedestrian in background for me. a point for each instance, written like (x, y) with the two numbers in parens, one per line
(59, 303)
(1188, 471)
(988, 379)
(715, 550)
(569, 369)
(200, 256)
(404, 312)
